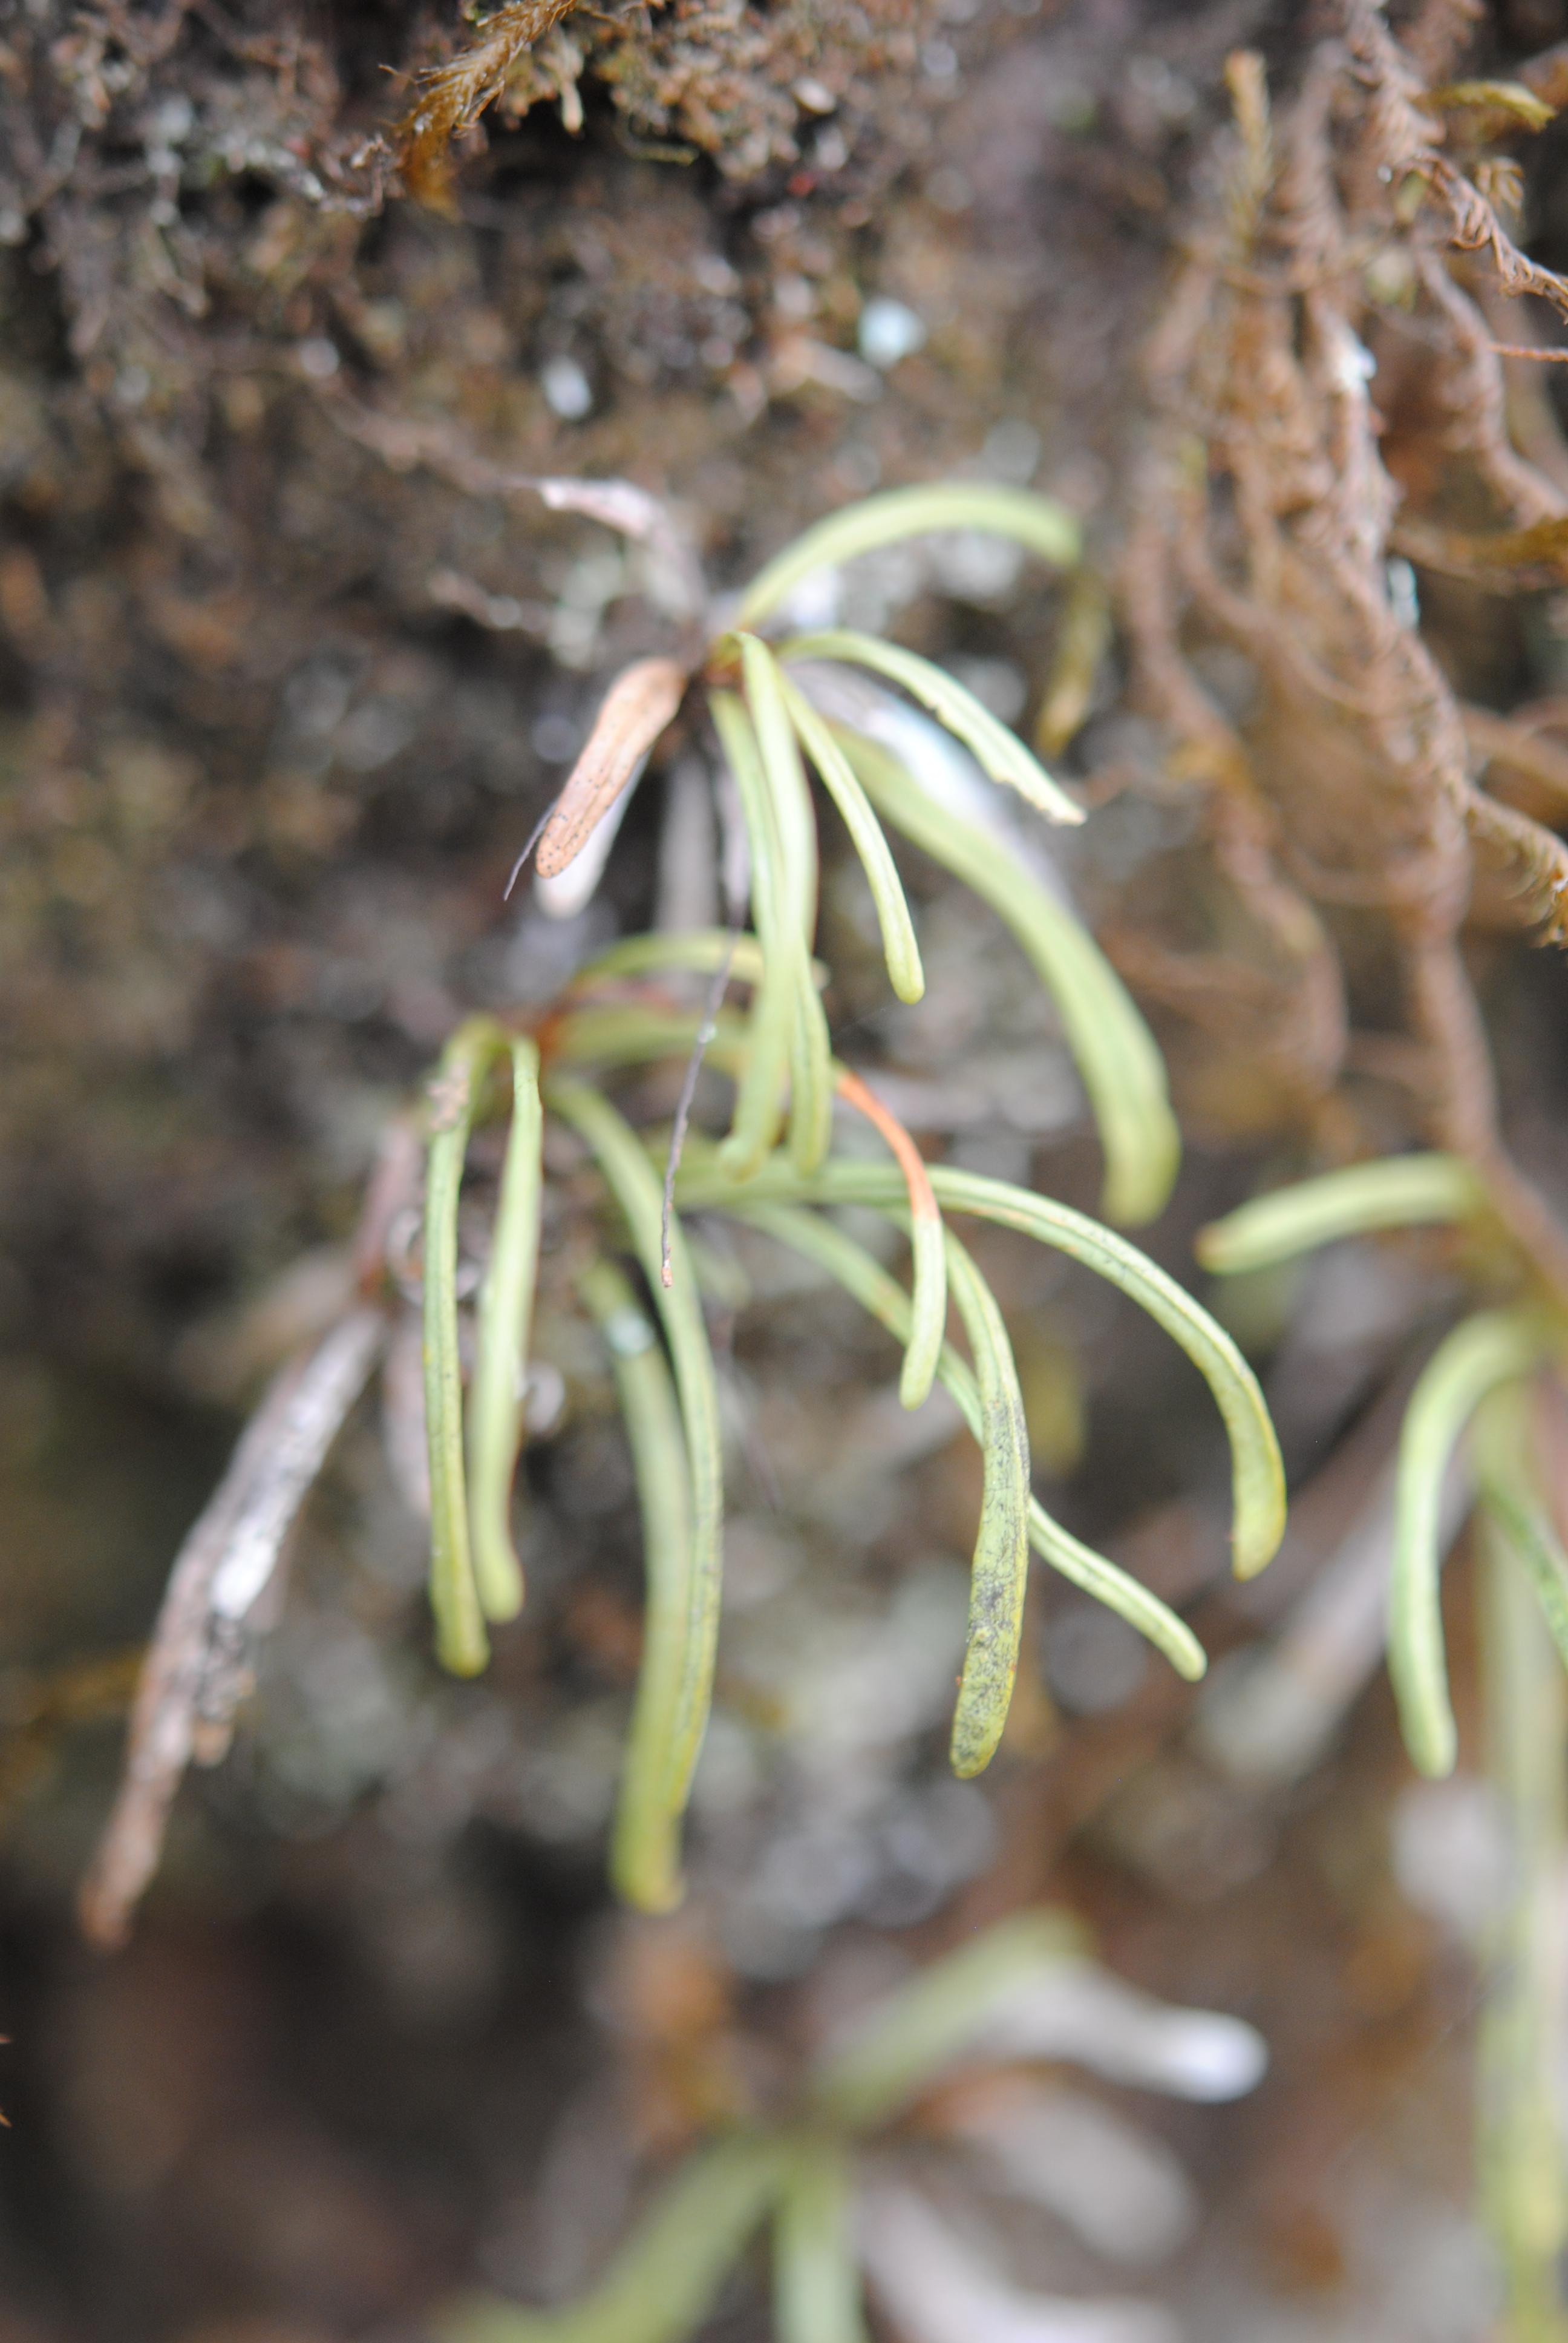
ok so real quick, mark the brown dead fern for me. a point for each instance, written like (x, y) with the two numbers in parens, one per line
(1330, 400)
(449, 98)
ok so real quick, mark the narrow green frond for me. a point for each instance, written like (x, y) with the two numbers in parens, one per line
(1495, 1347)
(1258, 1480)
(898, 945)
(1508, 1484)
(662, 2283)
(631, 1035)
(919, 2030)
(1046, 528)
(816, 2274)
(1401, 1193)
(501, 1347)
(460, 1639)
(810, 1077)
(758, 1105)
(1000, 1573)
(644, 1852)
(637, 1189)
(928, 1244)
(885, 1300)
(1114, 1050)
(998, 752)
(698, 951)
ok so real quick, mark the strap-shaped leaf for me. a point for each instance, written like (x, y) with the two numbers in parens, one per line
(1258, 1480)
(631, 1035)
(1494, 1347)
(501, 1349)
(1000, 752)
(645, 1851)
(1508, 1484)
(928, 1245)
(930, 2022)
(759, 1104)
(698, 952)
(885, 1299)
(900, 949)
(1000, 1573)
(816, 2276)
(1046, 528)
(635, 710)
(636, 1190)
(1400, 1192)
(662, 2283)
(810, 1074)
(1114, 1050)
(460, 1640)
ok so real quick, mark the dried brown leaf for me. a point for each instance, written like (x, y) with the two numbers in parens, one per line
(635, 710)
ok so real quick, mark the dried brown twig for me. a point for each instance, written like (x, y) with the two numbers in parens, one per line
(449, 99)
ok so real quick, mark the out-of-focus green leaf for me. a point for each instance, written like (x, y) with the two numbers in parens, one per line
(1046, 528)
(662, 2283)
(1400, 1192)
(1122, 1070)
(636, 1190)
(460, 1640)
(1508, 1482)
(699, 951)
(758, 1105)
(815, 2279)
(501, 1348)
(924, 2028)
(1000, 752)
(644, 1852)
(810, 1071)
(1496, 1346)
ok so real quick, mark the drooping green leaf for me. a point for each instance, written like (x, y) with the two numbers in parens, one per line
(1258, 1481)
(921, 2030)
(1508, 1483)
(998, 752)
(699, 951)
(815, 2279)
(898, 945)
(1046, 528)
(1494, 1347)
(1122, 1070)
(460, 1640)
(1400, 1192)
(758, 1105)
(644, 1852)
(1000, 1573)
(630, 1035)
(928, 1244)
(885, 1299)
(811, 1073)
(636, 1190)
(501, 1348)
(663, 2281)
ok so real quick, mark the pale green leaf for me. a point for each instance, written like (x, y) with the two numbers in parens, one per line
(998, 752)
(885, 1299)
(1046, 528)
(1122, 1070)
(1494, 1347)
(663, 2281)
(922, 2028)
(644, 1852)
(898, 945)
(460, 1640)
(1000, 1573)
(759, 1104)
(636, 1190)
(1399, 1192)
(501, 1347)
(1508, 1484)
(816, 2278)
(811, 1073)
